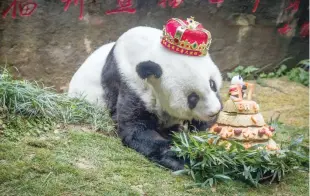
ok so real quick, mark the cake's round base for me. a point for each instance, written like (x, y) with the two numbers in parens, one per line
(269, 144)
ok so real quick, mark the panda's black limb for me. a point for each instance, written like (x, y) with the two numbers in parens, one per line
(111, 82)
(138, 128)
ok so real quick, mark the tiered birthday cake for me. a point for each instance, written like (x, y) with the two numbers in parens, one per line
(240, 120)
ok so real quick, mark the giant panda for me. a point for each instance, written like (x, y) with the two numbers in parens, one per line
(150, 91)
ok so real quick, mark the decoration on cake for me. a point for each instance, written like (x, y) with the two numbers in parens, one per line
(240, 118)
(186, 37)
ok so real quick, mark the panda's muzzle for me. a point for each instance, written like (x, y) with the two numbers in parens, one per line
(215, 114)
(218, 111)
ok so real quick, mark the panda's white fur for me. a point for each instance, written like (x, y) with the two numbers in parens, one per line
(86, 80)
(181, 75)
(148, 106)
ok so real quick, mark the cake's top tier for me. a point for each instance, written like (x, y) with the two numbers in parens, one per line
(241, 107)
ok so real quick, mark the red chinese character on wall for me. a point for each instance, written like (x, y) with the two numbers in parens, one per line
(294, 5)
(26, 8)
(285, 29)
(68, 3)
(255, 6)
(171, 3)
(123, 6)
(216, 1)
(304, 30)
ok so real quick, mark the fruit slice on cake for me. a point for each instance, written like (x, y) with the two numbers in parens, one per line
(242, 133)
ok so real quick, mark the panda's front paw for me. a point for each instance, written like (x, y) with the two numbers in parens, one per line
(196, 125)
(171, 161)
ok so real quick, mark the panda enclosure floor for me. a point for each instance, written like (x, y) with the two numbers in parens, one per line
(80, 162)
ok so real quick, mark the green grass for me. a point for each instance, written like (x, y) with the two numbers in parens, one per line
(28, 108)
(40, 157)
(87, 163)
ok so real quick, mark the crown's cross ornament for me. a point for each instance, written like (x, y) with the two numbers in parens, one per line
(192, 24)
(187, 37)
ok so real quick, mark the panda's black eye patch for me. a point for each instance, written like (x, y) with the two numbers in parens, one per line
(192, 100)
(213, 85)
(147, 68)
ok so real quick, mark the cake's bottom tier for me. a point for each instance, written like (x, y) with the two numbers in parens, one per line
(269, 144)
(243, 133)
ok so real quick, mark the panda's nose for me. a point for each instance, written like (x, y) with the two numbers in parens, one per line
(214, 113)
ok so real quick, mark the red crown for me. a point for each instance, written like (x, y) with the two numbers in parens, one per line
(186, 37)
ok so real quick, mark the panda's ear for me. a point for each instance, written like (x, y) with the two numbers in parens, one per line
(149, 68)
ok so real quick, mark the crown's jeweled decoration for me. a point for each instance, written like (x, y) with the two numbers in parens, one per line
(186, 37)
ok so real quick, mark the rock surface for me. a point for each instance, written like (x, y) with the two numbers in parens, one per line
(52, 43)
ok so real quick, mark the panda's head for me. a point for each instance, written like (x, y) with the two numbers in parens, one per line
(186, 87)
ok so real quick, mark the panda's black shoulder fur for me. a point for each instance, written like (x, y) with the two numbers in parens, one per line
(137, 127)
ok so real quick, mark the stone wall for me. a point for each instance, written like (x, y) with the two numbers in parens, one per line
(52, 43)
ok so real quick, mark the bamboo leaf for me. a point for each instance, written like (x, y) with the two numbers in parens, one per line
(220, 176)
